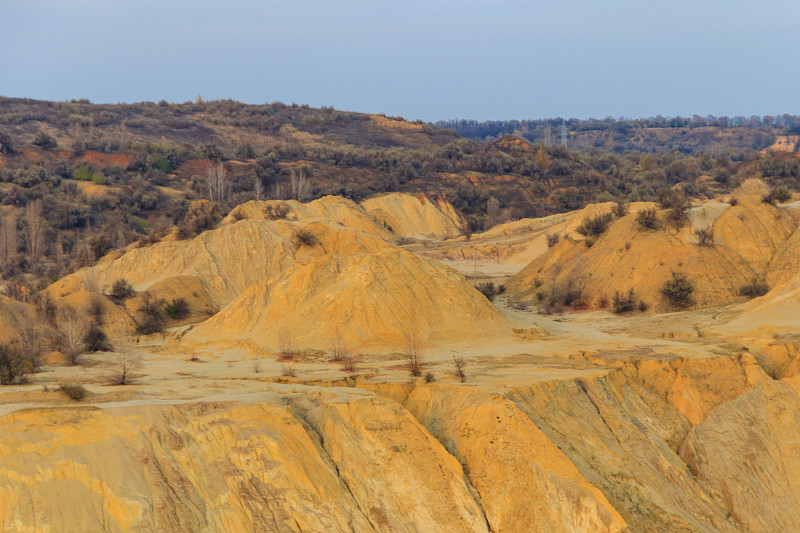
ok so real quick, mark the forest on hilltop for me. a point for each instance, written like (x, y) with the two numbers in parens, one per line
(78, 180)
(683, 134)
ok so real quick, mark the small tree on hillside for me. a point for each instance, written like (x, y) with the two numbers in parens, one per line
(679, 291)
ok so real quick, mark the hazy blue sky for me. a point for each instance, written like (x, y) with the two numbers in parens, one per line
(434, 59)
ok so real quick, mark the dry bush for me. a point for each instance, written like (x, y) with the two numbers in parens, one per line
(620, 209)
(349, 363)
(413, 353)
(123, 365)
(276, 212)
(705, 236)
(286, 348)
(121, 290)
(648, 219)
(288, 371)
(594, 226)
(14, 366)
(458, 368)
(177, 309)
(757, 287)
(152, 318)
(305, 237)
(75, 391)
(338, 346)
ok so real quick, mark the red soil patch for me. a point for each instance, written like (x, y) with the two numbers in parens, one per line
(99, 159)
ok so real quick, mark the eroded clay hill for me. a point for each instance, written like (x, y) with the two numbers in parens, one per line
(750, 240)
(624, 440)
(312, 273)
(415, 216)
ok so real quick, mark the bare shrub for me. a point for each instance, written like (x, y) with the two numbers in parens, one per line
(286, 348)
(757, 287)
(276, 211)
(288, 371)
(338, 346)
(552, 239)
(429, 377)
(705, 236)
(256, 365)
(305, 237)
(458, 368)
(349, 363)
(123, 365)
(413, 353)
(490, 290)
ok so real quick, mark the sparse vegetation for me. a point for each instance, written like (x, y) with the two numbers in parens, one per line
(757, 287)
(705, 236)
(277, 211)
(648, 219)
(430, 377)
(349, 363)
(177, 309)
(13, 365)
(74, 391)
(95, 340)
(552, 239)
(286, 348)
(594, 226)
(677, 217)
(679, 291)
(152, 316)
(121, 290)
(459, 366)
(620, 209)
(624, 303)
(288, 371)
(413, 354)
(123, 365)
(305, 237)
(777, 195)
(490, 290)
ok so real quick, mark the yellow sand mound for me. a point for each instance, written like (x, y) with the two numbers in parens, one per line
(750, 240)
(415, 216)
(322, 267)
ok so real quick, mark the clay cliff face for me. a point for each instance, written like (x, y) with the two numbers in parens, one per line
(627, 449)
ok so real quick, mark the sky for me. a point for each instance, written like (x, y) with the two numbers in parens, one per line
(429, 60)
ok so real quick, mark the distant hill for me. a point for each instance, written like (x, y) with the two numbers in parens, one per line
(686, 135)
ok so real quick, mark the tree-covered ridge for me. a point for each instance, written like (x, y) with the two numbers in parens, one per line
(92, 178)
(684, 134)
